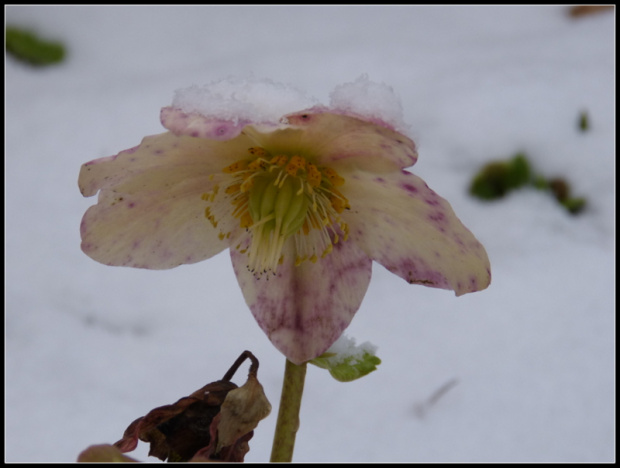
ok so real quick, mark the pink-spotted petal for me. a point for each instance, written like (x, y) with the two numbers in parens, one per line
(345, 140)
(413, 232)
(304, 309)
(160, 161)
(151, 229)
(198, 126)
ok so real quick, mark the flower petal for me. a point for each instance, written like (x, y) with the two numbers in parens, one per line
(304, 309)
(160, 161)
(151, 229)
(413, 232)
(199, 126)
(348, 140)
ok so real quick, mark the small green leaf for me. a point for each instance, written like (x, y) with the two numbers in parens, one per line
(497, 178)
(584, 122)
(27, 47)
(540, 183)
(574, 205)
(519, 173)
(349, 362)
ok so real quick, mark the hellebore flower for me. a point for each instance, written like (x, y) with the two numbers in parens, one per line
(305, 206)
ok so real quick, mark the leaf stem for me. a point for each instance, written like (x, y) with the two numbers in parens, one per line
(288, 414)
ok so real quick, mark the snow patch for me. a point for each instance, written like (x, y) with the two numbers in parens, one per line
(266, 101)
(370, 100)
(238, 99)
(345, 348)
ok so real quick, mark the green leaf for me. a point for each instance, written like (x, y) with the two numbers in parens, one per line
(584, 122)
(519, 173)
(497, 178)
(349, 363)
(574, 205)
(27, 47)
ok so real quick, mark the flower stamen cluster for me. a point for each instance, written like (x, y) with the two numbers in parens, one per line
(278, 196)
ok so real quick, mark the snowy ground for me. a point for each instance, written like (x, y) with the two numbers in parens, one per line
(530, 362)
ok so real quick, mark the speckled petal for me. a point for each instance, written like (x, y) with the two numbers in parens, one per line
(199, 126)
(151, 229)
(305, 308)
(344, 140)
(413, 232)
(158, 162)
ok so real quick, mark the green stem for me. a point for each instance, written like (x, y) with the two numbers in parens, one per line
(288, 415)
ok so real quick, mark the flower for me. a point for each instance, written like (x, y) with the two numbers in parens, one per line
(305, 206)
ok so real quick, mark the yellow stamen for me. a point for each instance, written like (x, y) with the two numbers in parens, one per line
(314, 176)
(277, 198)
(333, 177)
(295, 164)
(235, 167)
(257, 151)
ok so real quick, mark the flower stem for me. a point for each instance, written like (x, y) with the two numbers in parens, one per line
(288, 415)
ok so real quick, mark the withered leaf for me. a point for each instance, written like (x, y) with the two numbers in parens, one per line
(241, 411)
(188, 429)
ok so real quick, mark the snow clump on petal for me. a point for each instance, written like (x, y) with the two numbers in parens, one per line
(236, 99)
(376, 102)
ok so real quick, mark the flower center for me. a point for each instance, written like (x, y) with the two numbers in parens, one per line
(278, 197)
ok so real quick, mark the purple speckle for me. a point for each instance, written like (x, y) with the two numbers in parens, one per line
(438, 219)
(457, 239)
(410, 188)
(437, 216)
(416, 271)
(199, 126)
(432, 201)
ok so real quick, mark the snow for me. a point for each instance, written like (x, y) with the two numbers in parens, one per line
(369, 100)
(521, 372)
(345, 348)
(238, 99)
(261, 100)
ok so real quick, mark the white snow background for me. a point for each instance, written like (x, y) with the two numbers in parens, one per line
(528, 365)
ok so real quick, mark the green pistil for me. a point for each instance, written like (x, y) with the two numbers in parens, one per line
(279, 197)
(278, 210)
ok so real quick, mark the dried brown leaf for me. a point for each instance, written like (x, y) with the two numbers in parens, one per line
(214, 423)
